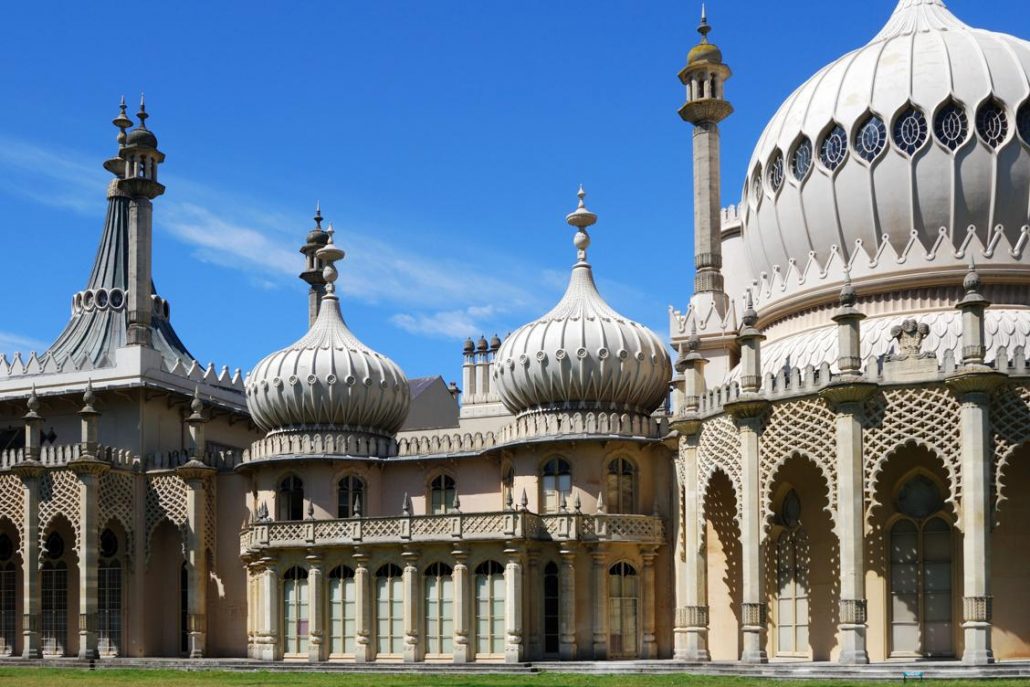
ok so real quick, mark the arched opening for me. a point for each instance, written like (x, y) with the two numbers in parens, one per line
(164, 624)
(920, 556)
(489, 609)
(555, 484)
(441, 494)
(623, 611)
(723, 558)
(343, 597)
(290, 499)
(552, 610)
(1010, 561)
(109, 595)
(296, 612)
(54, 596)
(792, 588)
(389, 612)
(350, 494)
(621, 486)
(8, 596)
(439, 610)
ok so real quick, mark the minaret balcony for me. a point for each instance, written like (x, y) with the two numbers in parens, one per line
(500, 526)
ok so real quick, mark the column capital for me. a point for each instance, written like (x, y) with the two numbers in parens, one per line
(748, 408)
(88, 467)
(853, 611)
(974, 380)
(845, 395)
(28, 470)
(977, 609)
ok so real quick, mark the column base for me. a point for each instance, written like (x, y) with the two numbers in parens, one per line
(265, 651)
(88, 649)
(567, 651)
(691, 645)
(852, 644)
(513, 653)
(977, 650)
(362, 653)
(753, 651)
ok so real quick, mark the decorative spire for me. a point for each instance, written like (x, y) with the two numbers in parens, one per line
(33, 405)
(704, 28)
(581, 218)
(972, 282)
(142, 114)
(329, 254)
(600, 502)
(750, 317)
(88, 398)
(318, 215)
(123, 122)
(524, 499)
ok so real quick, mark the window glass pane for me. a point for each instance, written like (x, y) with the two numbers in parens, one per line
(905, 607)
(905, 637)
(937, 607)
(938, 577)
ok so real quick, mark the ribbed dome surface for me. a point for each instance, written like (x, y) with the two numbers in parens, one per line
(582, 354)
(328, 380)
(926, 127)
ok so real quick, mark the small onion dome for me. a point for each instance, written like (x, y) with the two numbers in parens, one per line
(141, 136)
(481, 346)
(328, 380)
(704, 51)
(469, 348)
(582, 354)
(495, 343)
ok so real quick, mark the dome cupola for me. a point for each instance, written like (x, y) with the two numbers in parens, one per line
(582, 355)
(329, 383)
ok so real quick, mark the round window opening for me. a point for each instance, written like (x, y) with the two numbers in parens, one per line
(951, 126)
(871, 138)
(776, 172)
(992, 124)
(54, 546)
(919, 498)
(801, 160)
(108, 544)
(790, 512)
(834, 148)
(910, 131)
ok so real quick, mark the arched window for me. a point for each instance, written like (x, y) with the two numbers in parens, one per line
(792, 581)
(921, 570)
(54, 593)
(556, 484)
(441, 494)
(507, 486)
(8, 585)
(490, 608)
(291, 499)
(343, 596)
(109, 595)
(389, 611)
(552, 609)
(439, 588)
(622, 486)
(350, 493)
(623, 595)
(295, 611)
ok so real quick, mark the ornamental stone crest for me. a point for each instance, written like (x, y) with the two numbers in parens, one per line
(909, 335)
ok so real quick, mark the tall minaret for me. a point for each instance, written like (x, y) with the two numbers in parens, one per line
(312, 274)
(138, 181)
(705, 76)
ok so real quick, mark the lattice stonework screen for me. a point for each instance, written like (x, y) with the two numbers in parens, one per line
(927, 416)
(1010, 422)
(806, 428)
(719, 449)
(117, 498)
(166, 498)
(59, 495)
(12, 503)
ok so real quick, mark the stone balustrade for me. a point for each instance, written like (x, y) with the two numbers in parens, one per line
(452, 527)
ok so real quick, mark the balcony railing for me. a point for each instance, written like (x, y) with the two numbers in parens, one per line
(451, 527)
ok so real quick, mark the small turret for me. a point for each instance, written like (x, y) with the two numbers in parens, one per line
(312, 274)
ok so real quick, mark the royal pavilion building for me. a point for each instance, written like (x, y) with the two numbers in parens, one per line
(828, 459)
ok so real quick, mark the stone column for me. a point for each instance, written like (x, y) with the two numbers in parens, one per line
(412, 647)
(31, 472)
(514, 644)
(197, 476)
(462, 603)
(268, 646)
(88, 470)
(648, 598)
(534, 606)
(567, 602)
(362, 609)
(316, 608)
(599, 557)
(140, 305)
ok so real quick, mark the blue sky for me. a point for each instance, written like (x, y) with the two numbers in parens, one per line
(445, 140)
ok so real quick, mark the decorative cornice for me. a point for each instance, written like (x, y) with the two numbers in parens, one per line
(747, 407)
(974, 380)
(846, 391)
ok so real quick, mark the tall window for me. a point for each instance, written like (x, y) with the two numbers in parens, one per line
(921, 570)
(350, 496)
(552, 609)
(439, 588)
(441, 495)
(54, 593)
(109, 593)
(8, 585)
(556, 484)
(490, 608)
(342, 610)
(295, 611)
(622, 486)
(623, 595)
(792, 581)
(389, 611)
(291, 499)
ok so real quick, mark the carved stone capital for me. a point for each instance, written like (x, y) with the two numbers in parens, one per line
(28, 469)
(692, 616)
(846, 392)
(973, 380)
(753, 615)
(194, 470)
(977, 608)
(853, 611)
(687, 424)
(88, 466)
(747, 407)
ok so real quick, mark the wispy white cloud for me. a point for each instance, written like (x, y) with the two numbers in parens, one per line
(449, 324)
(11, 343)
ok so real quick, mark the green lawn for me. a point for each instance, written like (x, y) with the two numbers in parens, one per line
(57, 677)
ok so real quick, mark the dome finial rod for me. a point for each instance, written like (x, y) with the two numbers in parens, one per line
(318, 214)
(581, 218)
(329, 254)
(142, 114)
(704, 27)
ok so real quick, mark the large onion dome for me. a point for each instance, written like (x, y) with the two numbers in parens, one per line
(582, 355)
(914, 144)
(328, 381)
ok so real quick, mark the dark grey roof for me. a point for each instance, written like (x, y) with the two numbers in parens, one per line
(420, 384)
(95, 332)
